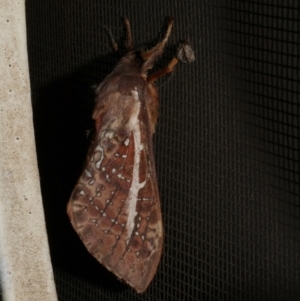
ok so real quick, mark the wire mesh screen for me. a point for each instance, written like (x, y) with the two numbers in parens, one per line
(226, 144)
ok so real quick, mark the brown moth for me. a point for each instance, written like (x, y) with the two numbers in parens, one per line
(115, 207)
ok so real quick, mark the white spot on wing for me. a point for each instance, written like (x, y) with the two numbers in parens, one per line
(88, 174)
(100, 150)
(109, 135)
(135, 94)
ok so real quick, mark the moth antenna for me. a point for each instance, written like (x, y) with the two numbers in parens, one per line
(112, 39)
(129, 40)
(150, 55)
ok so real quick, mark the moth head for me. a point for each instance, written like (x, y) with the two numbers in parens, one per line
(141, 61)
(130, 63)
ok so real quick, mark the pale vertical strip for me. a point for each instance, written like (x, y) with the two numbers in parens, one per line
(25, 266)
(135, 184)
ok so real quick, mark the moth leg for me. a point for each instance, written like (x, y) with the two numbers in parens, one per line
(170, 67)
(150, 55)
(185, 54)
(129, 40)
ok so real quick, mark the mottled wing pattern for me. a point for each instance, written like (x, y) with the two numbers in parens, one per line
(115, 205)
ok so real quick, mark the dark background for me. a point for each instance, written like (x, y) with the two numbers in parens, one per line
(226, 144)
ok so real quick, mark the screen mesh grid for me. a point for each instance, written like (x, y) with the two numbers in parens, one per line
(226, 144)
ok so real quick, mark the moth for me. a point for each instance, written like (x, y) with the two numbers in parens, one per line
(115, 206)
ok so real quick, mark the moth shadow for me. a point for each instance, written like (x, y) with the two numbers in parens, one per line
(62, 117)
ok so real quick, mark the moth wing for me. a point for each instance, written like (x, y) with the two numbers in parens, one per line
(115, 205)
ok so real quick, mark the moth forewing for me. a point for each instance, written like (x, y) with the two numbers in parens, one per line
(115, 206)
